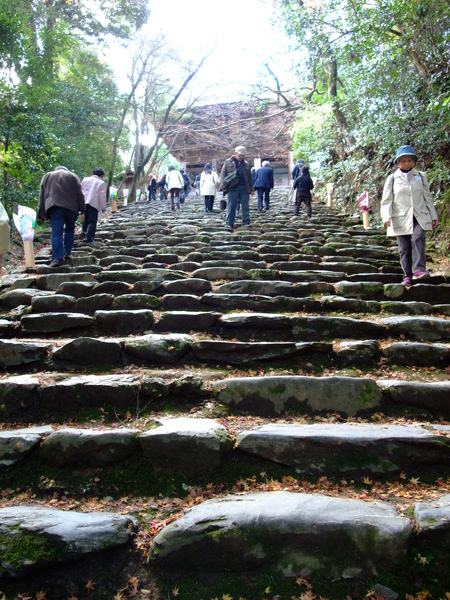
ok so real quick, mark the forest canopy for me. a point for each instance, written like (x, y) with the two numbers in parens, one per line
(376, 75)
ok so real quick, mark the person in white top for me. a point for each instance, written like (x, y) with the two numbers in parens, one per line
(94, 192)
(208, 186)
(175, 183)
(407, 211)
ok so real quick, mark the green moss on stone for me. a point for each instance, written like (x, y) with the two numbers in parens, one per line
(280, 388)
(20, 547)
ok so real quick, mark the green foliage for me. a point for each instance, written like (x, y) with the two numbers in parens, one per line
(375, 77)
(312, 133)
(59, 103)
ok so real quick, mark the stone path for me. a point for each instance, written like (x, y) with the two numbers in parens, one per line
(300, 325)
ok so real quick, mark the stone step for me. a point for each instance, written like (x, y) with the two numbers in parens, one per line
(350, 396)
(54, 537)
(132, 313)
(194, 447)
(169, 314)
(169, 349)
(293, 533)
(348, 449)
(27, 396)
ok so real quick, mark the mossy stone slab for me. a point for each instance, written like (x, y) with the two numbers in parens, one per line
(284, 531)
(277, 395)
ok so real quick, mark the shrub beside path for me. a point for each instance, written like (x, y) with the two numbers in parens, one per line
(196, 413)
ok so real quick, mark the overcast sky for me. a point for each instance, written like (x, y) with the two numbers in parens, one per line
(240, 31)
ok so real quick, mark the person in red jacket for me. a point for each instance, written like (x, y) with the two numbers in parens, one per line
(60, 201)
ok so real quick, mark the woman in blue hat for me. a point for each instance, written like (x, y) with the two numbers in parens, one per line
(407, 211)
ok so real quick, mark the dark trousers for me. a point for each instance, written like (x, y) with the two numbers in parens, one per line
(63, 231)
(209, 203)
(412, 250)
(305, 198)
(90, 223)
(238, 197)
(175, 198)
(263, 196)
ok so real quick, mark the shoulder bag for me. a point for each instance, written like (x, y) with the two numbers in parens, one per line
(231, 181)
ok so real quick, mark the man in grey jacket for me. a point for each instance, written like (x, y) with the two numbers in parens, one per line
(94, 192)
(242, 190)
(60, 201)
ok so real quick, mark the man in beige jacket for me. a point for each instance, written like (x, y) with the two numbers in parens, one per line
(94, 191)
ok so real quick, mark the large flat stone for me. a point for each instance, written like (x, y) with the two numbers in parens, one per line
(419, 328)
(85, 391)
(265, 288)
(19, 395)
(54, 280)
(89, 448)
(124, 322)
(433, 523)
(193, 285)
(36, 538)
(433, 395)
(135, 302)
(18, 297)
(186, 321)
(90, 351)
(18, 443)
(320, 328)
(365, 290)
(160, 349)
(135, 275)
(347, 448)
(54, 322)
(277, 395)
(242, 352)
(417, 354)
(284, 531)
(256, 321)
(187, 446)
(14, 353)
(216, 273)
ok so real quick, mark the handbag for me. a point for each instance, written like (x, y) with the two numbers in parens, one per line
(231, 181)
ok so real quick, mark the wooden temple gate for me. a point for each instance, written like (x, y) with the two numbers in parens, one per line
(209, 134)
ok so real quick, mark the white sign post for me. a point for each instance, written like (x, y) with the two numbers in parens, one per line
(113, 196)
(330, 188)
(25, 222)
(363, 202)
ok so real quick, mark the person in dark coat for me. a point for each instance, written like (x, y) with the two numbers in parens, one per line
(60, 201)
(297, 170)
(242, 191)
(264, 184)
(151, 188)
(162, 188)
(303, 184)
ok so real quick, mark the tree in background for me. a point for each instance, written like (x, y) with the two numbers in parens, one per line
(376, 76)
(159, 97)
(59, 103)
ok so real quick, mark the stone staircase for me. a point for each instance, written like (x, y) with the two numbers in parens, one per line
(192, 409)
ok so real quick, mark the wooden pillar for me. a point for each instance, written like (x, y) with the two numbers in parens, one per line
(29, 255)
(366, 222)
